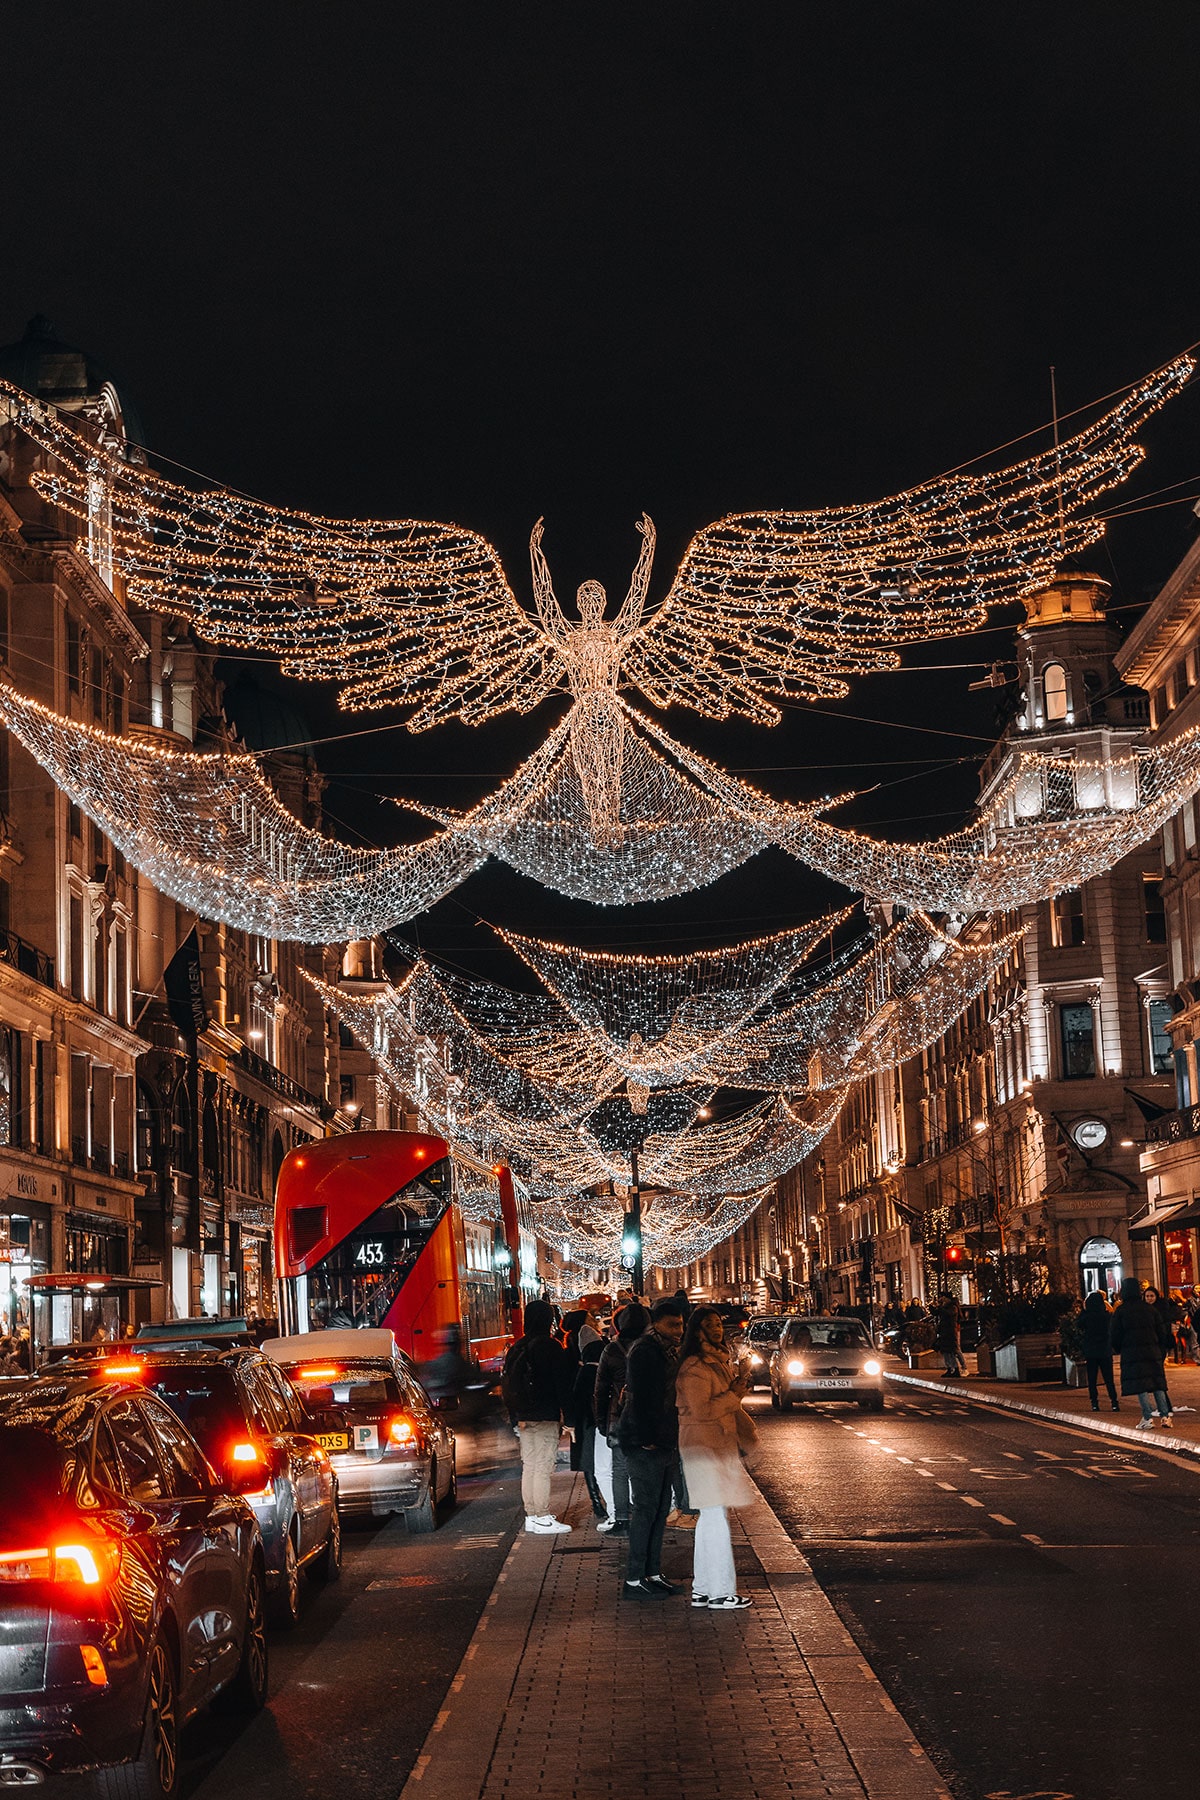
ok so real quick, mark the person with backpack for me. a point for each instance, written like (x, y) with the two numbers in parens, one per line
(612, 1471)
(536, 1387)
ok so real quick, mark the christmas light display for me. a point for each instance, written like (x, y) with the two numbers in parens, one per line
(764, 606)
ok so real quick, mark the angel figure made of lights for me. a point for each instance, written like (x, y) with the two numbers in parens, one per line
(765, 607)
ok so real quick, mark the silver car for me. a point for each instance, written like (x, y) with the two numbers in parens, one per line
(389, 1450)
(822, 1358)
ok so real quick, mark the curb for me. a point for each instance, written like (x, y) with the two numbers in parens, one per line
(1174, 1446)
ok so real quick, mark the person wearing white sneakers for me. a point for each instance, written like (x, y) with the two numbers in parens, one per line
(1142, 1339)
(536, 1387)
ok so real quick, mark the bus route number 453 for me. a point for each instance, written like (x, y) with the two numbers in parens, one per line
(369, 1255)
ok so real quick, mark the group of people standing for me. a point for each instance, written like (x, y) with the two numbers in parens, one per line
(656, 1416)
(1140, 1332)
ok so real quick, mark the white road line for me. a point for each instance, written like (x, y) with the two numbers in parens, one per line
(927, 1473)
(1048, 1455)
(905, 1459)
(1074, 1471)
(1012, 1456)
(1032, 1537)
(1000, 1519)
(968, 1501)
(948, 1486)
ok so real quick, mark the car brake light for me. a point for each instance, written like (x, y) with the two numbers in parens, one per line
(93, 1665)
(118, 1371)
(88, 1564)
(403, 1429)
(246, 1453)
(317, 1374)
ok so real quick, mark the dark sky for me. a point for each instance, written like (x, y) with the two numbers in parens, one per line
(485, 262)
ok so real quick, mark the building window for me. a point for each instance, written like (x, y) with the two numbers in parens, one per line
(76, 946)
(1054, 692)
(1162, 1056)
(1156, 917)
(1067, 925)
(1077, 1026)
(74, 658)
(11, 1112)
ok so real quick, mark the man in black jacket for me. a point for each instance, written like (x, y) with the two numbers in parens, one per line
(536, 1385)
(649, 1436)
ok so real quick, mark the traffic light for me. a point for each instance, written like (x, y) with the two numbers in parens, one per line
(954, 1253)
(631, 1240)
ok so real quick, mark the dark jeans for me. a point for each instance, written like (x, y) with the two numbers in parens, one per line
(1100, 1365)
(622, 1499)
(588, 1460)
(649, 1503)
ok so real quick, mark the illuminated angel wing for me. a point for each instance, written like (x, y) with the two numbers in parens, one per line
(397, 612)
(787, 604)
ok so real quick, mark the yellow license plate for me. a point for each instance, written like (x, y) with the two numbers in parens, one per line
(333, 1440)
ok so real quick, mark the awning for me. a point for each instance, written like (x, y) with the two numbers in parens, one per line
(1146, 1224)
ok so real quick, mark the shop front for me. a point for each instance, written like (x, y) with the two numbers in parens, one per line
(25, 1238)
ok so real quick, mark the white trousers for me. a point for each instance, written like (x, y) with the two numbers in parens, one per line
(602, 1454)
(713, 1572)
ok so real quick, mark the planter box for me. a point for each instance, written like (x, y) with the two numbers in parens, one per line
(1074, 1373)
(985, 1359)
(924, 1359)
(1037, 1355)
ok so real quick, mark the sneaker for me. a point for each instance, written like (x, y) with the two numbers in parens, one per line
(1168, 1424)
(1144, 1425)
(662, 1584)
(605, 1524)
(641, 1590)
(699, 1599)
(681, 1521)
(620, 1527)
(545, 1523)
(729, 1603)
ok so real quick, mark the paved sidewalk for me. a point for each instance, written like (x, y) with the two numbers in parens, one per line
(1072, 1406)
(568, 1690)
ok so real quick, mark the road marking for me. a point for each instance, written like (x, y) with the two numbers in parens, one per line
(1031, 1537)
(440, 1721)
(968, 1501)
(927, 1473)
(949, 1487)
(906, 1459)
(1048, 1455)
(887, 1449)
(1012, 1456)
(1074, 1471)
(1000, 1519)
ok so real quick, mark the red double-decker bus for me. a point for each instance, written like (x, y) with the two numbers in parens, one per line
(368, 1233)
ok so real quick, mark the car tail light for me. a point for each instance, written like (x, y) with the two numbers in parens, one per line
(402, 1429)
(90, 1564)
(319, 1374)
(112, 1370)
(246, 1453)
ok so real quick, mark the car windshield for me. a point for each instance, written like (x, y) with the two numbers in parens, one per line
(346, 1387)
(765, 1331)
(205, 1399)
(827, 1334)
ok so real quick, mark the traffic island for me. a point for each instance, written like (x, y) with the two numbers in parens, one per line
(569, 1688)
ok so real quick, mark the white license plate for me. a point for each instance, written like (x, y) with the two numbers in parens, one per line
(366, 1437)
(834, 1381)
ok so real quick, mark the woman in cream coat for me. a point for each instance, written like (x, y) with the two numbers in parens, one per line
(711, 1424)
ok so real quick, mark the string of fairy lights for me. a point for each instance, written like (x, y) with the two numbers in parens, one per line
(764, 609)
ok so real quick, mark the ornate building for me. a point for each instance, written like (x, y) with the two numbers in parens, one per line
(141, 1129)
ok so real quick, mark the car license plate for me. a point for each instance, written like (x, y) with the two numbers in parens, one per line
(366, 1437)
(333, 1440)
(834, 1381)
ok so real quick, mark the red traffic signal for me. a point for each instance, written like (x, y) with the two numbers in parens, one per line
(954, 1253)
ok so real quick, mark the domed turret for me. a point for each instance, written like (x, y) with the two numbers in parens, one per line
(43, 365)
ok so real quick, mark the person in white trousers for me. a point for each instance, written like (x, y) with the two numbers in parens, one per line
(712, 1421)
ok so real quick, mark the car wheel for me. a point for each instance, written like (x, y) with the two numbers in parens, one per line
(154, 1775)
(248, 1689)
(423, 1516)
(326, 1565)
(284, 1603)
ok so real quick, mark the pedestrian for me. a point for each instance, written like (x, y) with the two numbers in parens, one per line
(583, 1398)
(649, 1436)
(948, 1337)
(536, 1386)
(612, 1471)
(685, 1305)
(589, 1331)
(1141, 1338)
(1095, 1326)
(712, 1421)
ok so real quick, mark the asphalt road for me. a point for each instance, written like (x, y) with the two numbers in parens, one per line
(1029, 1596)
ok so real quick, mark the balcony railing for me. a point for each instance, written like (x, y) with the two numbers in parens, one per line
(27, 958)
(281, 1084)
(1174, 1127)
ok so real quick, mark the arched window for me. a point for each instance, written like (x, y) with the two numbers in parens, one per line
(1054, 691)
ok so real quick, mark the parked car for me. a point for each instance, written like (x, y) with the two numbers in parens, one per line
(390, 1450)
(823, 1358)
(132, 1585)
(759, 1341)
(249, 1421)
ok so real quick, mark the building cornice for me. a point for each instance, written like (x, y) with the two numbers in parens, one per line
(1153, 637)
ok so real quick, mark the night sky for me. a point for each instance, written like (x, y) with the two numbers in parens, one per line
(487, 262)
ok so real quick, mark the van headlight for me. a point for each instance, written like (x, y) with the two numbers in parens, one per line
(873, 1367)
(795, 1367)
